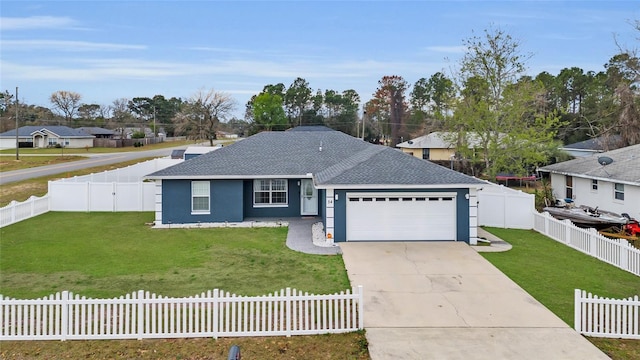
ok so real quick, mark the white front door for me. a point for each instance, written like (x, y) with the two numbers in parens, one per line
(308, 198)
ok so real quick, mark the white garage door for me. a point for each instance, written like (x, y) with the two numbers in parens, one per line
(401, 216)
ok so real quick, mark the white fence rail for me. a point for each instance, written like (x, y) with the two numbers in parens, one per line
(114, 190)
(18, 211)
(141, 315)
(617, 252)
(604, 317)
(499, 206)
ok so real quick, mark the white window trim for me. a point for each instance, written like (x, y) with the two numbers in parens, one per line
(280, 205)
(618, 191)
(208, 196)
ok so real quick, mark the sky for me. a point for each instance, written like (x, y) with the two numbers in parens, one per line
(105, 50)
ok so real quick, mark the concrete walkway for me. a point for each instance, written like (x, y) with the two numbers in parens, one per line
(442, 300)
(300, 237)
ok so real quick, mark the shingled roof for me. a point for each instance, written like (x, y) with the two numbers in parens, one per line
(333, 158)
(625, 167)
(61, 131)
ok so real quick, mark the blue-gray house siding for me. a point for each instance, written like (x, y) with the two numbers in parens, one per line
(462, 211)
(230, 200)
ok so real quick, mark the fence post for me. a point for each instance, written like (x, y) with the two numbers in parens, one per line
(577, 310)
(140, 313)
(216, 313)
(360, 308)
(32, 205)
(64, 313)
(288, 311)
(13, 204)
(593, 238)
(546, 223)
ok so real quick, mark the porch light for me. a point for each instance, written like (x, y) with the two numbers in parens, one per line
(329, 236)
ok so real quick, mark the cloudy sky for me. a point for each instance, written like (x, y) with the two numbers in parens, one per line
(106, 50)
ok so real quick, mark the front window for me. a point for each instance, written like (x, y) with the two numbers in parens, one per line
(618, 192)
(569, 187)
(270, 192)
(200, 191)
(594, 185)
(425, 154)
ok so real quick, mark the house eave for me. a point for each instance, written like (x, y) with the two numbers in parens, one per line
(227, 177)
(587, 176)
(397, 186)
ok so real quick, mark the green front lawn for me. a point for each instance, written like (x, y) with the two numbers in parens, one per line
(550, 272)
(110, 254)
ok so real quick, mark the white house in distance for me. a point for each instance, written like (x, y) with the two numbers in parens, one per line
(46, 136)
(609, 180)
(436, 146)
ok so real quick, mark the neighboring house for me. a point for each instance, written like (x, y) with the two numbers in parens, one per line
(360, 191)
(193, 151)
(98, 132)
(46, 136)
(614, 186)
(436, 146)
(592, 146)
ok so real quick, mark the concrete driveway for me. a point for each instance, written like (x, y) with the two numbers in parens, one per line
(442, 300)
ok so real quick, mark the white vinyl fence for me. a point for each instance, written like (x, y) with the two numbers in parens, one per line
(617, 252)
(141, 315)
(115, 190)
(604, 317)
(499, 206)
(18, 211)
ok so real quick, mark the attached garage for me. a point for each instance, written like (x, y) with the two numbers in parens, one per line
(416, 216)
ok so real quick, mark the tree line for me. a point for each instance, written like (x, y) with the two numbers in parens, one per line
(501, 119)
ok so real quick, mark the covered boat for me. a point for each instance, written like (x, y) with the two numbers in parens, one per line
(587, 216)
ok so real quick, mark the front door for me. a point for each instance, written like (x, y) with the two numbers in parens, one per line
(308, 198)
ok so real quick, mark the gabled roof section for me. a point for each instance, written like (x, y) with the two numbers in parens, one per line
(60, 131)
(439, 140)
(598, 144)
(331, 157)
(625, 167)
(94, 130)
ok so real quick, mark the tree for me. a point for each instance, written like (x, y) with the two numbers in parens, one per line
(297, 100)
(67, 103)
(268, 113)
(202, 113)
(391, 95)
(498, 110)
(121, 116)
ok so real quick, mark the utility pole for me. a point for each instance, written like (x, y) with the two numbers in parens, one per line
(17, 138)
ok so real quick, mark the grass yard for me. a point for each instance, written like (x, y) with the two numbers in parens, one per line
(550, 272)
(111, 254)
(9, 163)
(22, 190)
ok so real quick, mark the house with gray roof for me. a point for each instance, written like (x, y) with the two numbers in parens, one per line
(592, 146)
(437, 146)
(360, 191)
(608, 180)
(46, 136)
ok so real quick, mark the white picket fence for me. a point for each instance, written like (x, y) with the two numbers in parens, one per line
(18, 211)
(617, 252)
(604, 317)
(141, 315)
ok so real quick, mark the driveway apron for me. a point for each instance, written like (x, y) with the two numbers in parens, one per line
(441, 300)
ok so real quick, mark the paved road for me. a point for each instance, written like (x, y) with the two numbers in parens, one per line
(93, 160)
(442, 300)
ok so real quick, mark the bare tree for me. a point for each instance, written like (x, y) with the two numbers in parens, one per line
(66, 103)
(201, 114)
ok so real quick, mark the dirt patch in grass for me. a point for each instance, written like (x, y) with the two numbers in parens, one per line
(335, 346)
(618, 349)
